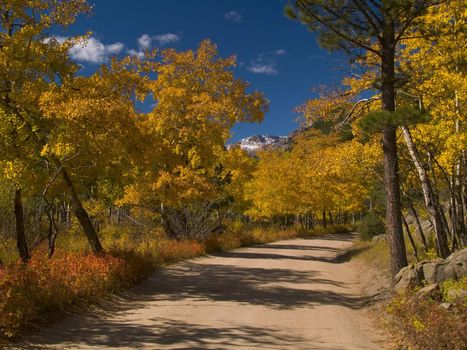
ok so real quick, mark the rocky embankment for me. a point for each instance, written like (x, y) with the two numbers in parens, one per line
(429, 274)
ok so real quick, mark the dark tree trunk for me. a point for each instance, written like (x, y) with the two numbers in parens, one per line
(52, 235)
(52, 239)
(421, 234)
(454, 222)
(391, 168)
(462, 231)
(21, 242)
(445, 225)
(331, 219)
(81, 214)
(409, 234)
(457, 211)
(463, 196)
(393, 205)
(459, 184)
(324, 218)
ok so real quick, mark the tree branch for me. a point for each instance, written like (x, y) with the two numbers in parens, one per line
(364, 101)
(368, 17)
(335, 31)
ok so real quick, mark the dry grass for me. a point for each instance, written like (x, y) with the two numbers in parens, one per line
(373, 254)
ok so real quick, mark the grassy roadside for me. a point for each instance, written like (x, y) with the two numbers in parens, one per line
(412, 322)
(73, 277)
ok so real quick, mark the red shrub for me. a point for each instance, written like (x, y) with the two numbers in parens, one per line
(171, 251)
(27, 291)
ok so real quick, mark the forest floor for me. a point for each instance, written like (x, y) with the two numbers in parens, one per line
(295, 294)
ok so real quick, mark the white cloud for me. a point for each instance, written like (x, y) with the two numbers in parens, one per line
(233, 16)
(144, 41)
(94, 51)
(114, 48)
(263, 68)
(60, 39)
(266, 62)
(91, 50)
(133, 52)
(166, 38)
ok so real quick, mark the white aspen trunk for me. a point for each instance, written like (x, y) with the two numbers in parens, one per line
(428, 195)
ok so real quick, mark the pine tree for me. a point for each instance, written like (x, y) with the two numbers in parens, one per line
(358, 27)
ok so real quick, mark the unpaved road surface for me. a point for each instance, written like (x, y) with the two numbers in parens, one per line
(296, 294)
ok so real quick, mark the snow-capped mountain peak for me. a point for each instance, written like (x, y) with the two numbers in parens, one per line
(255, 143)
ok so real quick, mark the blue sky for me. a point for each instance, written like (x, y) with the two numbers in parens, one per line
(277, 56)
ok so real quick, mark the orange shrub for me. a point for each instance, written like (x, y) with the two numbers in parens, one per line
(28, 291)
(169, 251)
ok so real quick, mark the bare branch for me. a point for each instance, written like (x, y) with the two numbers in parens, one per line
(364, 101)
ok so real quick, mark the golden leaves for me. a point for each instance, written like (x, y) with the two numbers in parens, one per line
(197, 101)
(319, 173)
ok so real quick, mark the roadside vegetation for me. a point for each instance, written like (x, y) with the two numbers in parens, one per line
(424, 323)
(430, 322)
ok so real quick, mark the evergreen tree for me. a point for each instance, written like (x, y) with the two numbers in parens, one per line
(359, 27)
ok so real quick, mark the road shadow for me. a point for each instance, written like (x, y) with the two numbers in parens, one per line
(271, 287)
(267, 256)
(297, 247)
(346, 237)
(92, 332)
(340, 256)
(347, 254)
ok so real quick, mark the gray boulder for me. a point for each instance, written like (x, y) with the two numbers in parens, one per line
(407, 278)
(447, 306)
(458, 263)
(432, 272)
(432, 291)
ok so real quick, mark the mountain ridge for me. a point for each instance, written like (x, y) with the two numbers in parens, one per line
(259, 142)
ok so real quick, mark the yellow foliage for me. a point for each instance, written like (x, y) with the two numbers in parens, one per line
(198, 100)
(320, 173)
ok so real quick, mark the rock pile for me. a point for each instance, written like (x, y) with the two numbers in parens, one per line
(432, 272)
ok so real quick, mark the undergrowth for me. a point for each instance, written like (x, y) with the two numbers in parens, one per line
(422, 324)
(44, 285)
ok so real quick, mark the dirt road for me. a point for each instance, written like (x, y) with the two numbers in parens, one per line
(297, 294)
